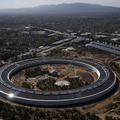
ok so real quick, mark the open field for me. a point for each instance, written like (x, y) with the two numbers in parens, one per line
(56, 73)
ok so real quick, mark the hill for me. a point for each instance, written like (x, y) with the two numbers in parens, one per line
(73, 8)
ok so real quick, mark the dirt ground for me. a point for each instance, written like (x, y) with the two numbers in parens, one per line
(70, 71)
(111, 105)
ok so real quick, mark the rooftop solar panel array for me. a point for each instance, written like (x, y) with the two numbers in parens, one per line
(105, 47)
(63, 92)
(108, 46)
(88, 90)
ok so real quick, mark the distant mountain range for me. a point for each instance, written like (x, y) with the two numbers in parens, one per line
(73, 8)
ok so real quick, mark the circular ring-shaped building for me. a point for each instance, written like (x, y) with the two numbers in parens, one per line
(103, 85)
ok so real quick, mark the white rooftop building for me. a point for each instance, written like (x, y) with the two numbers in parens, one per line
(70, 49)
(115, 39)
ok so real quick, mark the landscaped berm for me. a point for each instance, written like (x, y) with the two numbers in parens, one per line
(54, 77)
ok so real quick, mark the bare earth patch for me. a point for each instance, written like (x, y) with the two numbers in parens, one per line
(63, 72)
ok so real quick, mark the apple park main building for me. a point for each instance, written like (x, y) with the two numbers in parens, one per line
(103, 85)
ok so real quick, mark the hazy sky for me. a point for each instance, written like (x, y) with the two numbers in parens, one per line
(33, 3)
